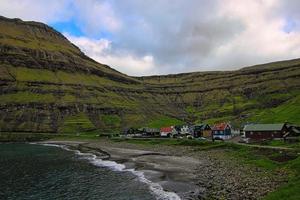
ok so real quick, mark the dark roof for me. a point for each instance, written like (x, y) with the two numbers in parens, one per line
(264, 127)
(151, 130)
(202, 126)
(296, 130)
(293, 127)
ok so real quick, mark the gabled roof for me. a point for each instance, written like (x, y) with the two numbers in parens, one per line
(296, 130)
(220, 127)
(202, 126)
(264, 127)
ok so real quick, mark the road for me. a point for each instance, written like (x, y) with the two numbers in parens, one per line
(236, 140)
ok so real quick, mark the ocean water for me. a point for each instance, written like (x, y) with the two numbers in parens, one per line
(30, 171)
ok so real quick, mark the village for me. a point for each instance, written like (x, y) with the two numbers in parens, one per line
(250, 133)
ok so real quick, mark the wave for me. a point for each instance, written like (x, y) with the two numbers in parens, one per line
(155, 188)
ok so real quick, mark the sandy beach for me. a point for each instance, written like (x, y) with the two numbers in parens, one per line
(190, 174)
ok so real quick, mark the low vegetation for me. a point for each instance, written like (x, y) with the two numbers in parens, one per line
(49, 79)
(163, 121)
(272, 160)
(24, 137)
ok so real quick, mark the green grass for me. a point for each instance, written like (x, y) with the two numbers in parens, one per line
(246, 156)
(289, 191)
(286, 112)
(76, 124)
(164, 121)
(262, 158)
(27, 74)
(199, 144)
(255, 156)
(269, 108)
(24, 137)
(111, 120)
(22, 36)
(49, 76)
(90, 136)
(281, 143)
(26, 97)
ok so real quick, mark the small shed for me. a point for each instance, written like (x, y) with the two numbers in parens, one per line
(265, 131)
(221, 131)
(202, 130)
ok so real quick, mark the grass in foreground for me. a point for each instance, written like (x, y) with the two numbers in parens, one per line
(289, 191)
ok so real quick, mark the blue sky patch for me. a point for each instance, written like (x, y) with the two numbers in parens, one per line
(69, 27)
(289, 26)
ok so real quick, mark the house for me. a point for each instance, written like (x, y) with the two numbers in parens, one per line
(131, 132)
(293, 134)
(177, 128)
(202, 130)
(221, 131)
(185, 130)
(151, 132)
(167, 131)
(265, 131)
(182, 130)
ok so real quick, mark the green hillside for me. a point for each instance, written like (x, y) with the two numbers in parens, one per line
(48, 85)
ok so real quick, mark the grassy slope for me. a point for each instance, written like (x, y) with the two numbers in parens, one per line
(162, 121)
(288, 111)
(266, 93)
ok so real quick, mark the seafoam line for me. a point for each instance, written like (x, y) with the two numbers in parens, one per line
(155, 188)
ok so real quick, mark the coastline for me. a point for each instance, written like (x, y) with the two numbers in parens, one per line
(167, 177)
(189, 174)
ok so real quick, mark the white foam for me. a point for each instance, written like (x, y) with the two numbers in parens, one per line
(155, 188)
(51, 145)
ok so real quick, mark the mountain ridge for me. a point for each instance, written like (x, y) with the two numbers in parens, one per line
(48, 85)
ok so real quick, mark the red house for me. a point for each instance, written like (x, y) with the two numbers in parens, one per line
(221, 131)
(166, 131)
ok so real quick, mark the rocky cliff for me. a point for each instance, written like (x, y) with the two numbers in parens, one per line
(48, 85)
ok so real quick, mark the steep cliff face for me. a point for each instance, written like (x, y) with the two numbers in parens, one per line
(48, 85)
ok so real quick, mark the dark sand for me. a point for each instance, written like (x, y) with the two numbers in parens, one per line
(190, 173)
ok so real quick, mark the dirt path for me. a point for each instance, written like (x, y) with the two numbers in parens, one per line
(265, 147)
(236, 140)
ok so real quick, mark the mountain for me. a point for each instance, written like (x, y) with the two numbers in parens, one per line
(48, 85)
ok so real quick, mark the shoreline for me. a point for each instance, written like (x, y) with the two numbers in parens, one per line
(189, 173)
(145, 165)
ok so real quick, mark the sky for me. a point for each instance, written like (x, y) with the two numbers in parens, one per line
(146, 37)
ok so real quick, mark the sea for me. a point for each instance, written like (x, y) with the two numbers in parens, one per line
(35, 171)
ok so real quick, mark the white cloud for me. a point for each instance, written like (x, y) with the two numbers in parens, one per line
(41, 10)
(263, 39)
(95, 16)
(142, 37)
(100, 50)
